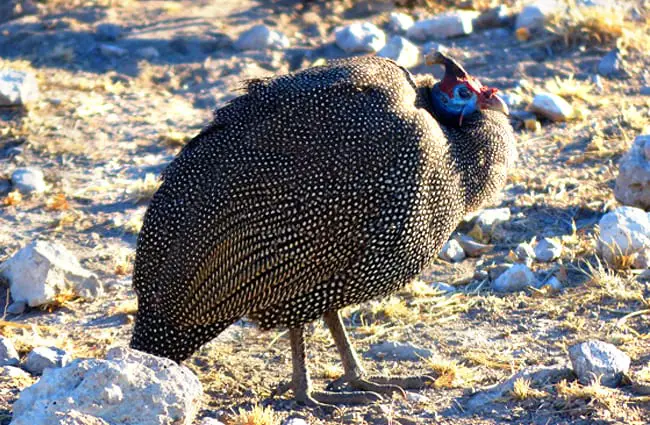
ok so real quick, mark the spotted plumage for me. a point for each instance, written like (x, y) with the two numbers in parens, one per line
(310, 192)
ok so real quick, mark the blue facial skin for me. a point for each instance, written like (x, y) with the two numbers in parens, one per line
(451, 111)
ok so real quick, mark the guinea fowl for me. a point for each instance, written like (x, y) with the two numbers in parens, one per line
(313, 191)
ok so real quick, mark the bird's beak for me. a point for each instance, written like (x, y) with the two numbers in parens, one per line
(494, 102)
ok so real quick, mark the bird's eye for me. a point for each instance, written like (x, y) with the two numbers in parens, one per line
(464, 92)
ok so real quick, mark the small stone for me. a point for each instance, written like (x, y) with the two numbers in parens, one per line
(532, 125)
(593, 360)
(524, 251)
(553, 283)
(360, 37)
(41, 270)
(417, 398)
(611, 64)
(400, 22)
(112, 51)
(261, 37)
(624, 232)
(443, 287)
(552, 106)
(548, 249)
(295, 421)
(487, 220)
(516, 278)
(210, 421)
(444, 25)
(534, 16)
(28, 180)
(8, 354)
(452, 251)
(402, 51)
(17, 88)
(633, 180)
(13, 372)
(41, 358)
(17, 307)
(148, 53)
(398, 351)
(473, 248)
(109, 32)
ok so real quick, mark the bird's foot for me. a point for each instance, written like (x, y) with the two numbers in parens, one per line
(382, 384)
(326, 399)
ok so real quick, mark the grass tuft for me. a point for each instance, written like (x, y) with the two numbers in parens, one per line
(257, 416)
(144, 189)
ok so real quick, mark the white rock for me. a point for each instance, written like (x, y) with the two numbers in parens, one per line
(295, 421)
(452, 251)
(487, 219)
(400, 22)
(111, 50)
(155, 391)
(548, 249)
(12, 372)
(624, 232)
(360, 37)
(554, 283)
(417, 398)
(28, 180)
(551, 106)
(402, 51)
(592, 360)
(8, 353)
(398, 351)
(534, 16)
(17, 87)
(210, 421)
(516, 278)
(444, 25)
(41, 358)
(261, 37)
(41, 270)
(633, 181)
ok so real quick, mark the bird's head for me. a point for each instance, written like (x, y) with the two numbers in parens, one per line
(459, 95)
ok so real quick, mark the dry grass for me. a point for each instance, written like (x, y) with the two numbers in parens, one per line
(450, 374)
(522, 390)
(607, 284)
(256, 416)
(570, 88)
(143, 189)
(595, 393)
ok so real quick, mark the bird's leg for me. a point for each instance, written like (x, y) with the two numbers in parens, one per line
(301, 383)
(354, 373)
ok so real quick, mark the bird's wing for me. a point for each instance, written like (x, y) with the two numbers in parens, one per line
(291, 184)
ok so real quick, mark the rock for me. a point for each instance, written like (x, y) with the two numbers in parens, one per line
(295, 421)
(452, 251)
(210, 421)
(8, 353)
(17, 307)
(41, 358)
(548, 249)
(593, 359)
(12, 9)
(487, 220)
(398, 351)
(41, 270)
(524, 251)
(495, 17)
(112, 51)
(400, 22)
(17, 88)
(417, 398)
(516, 278)
(261, 37)
(473, 248)
(129, 387)
(534, 16)
(441, 286)
(28, 180)
(148, 53)
(611, 64)
(12, 372)
(496, 271)
(551, 106)
(109, 32)
(402, 51)
(553, 283)
(444, 25)
(624, 232)
(633, 181)
(360, 37)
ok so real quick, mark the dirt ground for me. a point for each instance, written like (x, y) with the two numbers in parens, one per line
(105, 126)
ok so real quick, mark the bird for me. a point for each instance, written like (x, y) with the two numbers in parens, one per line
(310, 192)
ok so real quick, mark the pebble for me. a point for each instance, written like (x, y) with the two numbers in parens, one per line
(210, 421)
(17, 307)
(109, 32)
(8, 354)
(398, 351)
(148, 52)
(633, 181)
(548, 249)
(402, 51)
(625, 231)
(261, 37)
(360, 37)
(41, 358)
(295, 421)
(534, 16)
(417, 398)
(551, 106)
(28, 180)
(13, 372)
(516, 278)
(452, 251)
(553, 283)
(487, 220)
(17, 88)
(496, 271)
(112, 51)
(611, 64)
(473, 248)
(400, 22)
(597, 359)
(444, 25)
